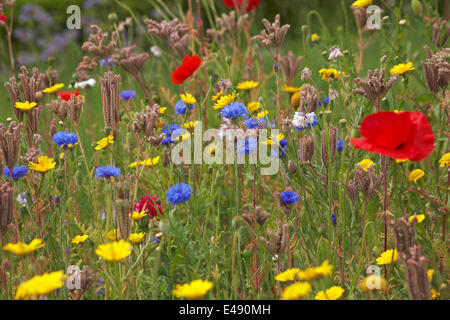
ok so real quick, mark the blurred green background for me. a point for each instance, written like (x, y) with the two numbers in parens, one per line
(40, 32)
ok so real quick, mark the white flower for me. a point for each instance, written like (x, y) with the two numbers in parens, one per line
(22, 199)
(335, 54)
(156, 51)
(85, 84)
(304, 120)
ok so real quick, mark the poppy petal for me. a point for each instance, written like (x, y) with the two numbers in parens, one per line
(404, 135)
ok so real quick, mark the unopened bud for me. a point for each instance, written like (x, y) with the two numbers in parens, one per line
(112, 17)
(417, 7)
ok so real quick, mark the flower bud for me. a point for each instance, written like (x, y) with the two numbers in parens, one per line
(417, 7)
(112, 17)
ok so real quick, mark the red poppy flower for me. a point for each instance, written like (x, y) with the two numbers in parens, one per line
(148, 204)
(2, 18)
(187, 68)
(403, 135)
(238, 3)
(65, 95)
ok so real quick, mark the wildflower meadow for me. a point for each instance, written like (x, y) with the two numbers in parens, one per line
(224, 150)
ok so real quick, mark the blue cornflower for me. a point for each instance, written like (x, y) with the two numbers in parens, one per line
(234, 110)
(289, 197)
(155, 240)
(178, 193)
(333, 218)
(170, 131)
(326, 101)
(253, 124)
(340, 145)
(246, 146)
(304, 121)
(100, 287)
(17, 172)
(65, 139)
(107, 172)
(128, 94)
(181, 107)
(103, 62)
(57, 199)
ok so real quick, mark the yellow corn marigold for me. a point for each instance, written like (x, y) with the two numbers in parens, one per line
(329, 73)
(22, 249)
(136, 237)
(247, 85)
(296, 291)
(114, 251)
(80, 239)
(54, 89)
(254, 106)
(223, 101)
(288, 275)
(373, 282)
(43, 165)
(361, 3)
(136, 216)
(445, 160)
(314, 272)
(418, 217)
(332, 293)
(365, 164)
(188, 99)
(416, 175)
(196, 289)
(103, 143)
(40, 285)
(401, 68)
(387, 257)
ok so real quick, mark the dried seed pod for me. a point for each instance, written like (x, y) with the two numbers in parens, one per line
(278, 240)
(275, 33)
(309, 98)
(97, 46)
(333, 142)
(410, 254)
(6, 207)
(290, 65)
(110, 86)
(261, 215)
(375, 88)
(306, 147)
(9, 143)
